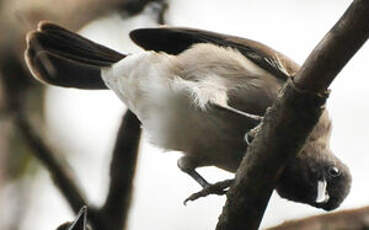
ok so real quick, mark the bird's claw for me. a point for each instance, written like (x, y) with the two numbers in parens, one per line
(219, 188)
(249, 136)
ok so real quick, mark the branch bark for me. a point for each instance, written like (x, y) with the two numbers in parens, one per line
(299, 107)
(354, 219)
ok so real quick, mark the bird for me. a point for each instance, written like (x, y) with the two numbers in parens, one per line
(198, 92)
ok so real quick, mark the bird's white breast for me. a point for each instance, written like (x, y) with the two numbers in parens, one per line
(146, 83)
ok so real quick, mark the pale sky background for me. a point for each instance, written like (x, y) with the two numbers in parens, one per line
(83, 123)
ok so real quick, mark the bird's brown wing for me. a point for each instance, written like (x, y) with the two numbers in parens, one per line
(174, 40)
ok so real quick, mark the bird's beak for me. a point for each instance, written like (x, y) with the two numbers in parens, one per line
(322, 193)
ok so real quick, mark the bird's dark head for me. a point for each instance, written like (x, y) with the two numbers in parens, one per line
(318, 179)
(316, 176)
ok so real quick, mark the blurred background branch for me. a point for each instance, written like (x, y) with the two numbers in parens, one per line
(60, 173)
(21, 103)
(122, 169)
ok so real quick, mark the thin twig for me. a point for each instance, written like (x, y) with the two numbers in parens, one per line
(273, 146)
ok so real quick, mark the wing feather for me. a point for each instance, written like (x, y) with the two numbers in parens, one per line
(174, 40)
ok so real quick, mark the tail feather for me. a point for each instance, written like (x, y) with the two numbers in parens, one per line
(74, 44)
(56, 70)
(60, 57)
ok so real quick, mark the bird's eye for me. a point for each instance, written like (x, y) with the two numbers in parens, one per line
(334, 172)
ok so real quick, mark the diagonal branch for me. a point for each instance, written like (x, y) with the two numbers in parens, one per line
(113, 215)
(58, 171)
(299, 107)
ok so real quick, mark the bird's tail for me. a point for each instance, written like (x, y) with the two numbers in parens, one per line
(63, 58)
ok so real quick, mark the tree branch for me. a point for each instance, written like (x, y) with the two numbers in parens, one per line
(354, 219)
(59, 173)
(113, 214)
(335, 49)
(299, 107)
(122, 172)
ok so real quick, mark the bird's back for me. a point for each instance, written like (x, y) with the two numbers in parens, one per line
(173, 98)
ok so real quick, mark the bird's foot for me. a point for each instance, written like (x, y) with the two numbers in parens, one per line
(219, 188)
(250, 135)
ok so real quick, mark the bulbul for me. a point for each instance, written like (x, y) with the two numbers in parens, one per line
(197, 92)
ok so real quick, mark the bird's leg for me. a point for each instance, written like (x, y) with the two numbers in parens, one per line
(219, 188)
(253, 118)
(188, 164)
(232, 110)
(248, 115)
